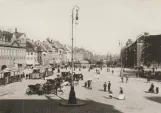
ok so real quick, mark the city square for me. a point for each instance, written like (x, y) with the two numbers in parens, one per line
(137, 101)
(80, 56)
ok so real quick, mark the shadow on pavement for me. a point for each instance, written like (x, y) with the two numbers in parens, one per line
(53, 106)
(155, 99)
(102, 90)
(106, 97)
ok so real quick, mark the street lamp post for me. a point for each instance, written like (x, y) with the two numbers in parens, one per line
(134, 58)
(120, 43)
(72, 97)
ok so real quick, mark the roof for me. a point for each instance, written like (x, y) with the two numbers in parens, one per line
(7, 34)
(40, 47)
(47, 47)
(57, 45)
(30, 47)
(65, 48)
(60, 45)
(43, 48)
(18, 35)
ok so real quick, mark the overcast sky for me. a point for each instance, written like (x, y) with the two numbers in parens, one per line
(102, 23)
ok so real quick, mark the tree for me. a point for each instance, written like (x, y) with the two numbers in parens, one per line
(100, 63)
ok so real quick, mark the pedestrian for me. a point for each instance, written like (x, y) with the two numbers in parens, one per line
(56, 87)
(85, 85)
(112, 72)
(98, 74)
(40, 92)
(26, 76)
(109, 86)
(148, 77)
(151, 90)
(137, 73)
(122, 79)
(121, 94)
(58, 70)
(127, 78)
(88, 84)
(157, 90)
(105, 86)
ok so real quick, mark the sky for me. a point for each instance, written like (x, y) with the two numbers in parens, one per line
(102, 23)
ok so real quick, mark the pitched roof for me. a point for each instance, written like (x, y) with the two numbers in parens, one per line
(65, 48)
(30, 47)
(17, 34)
(47, 47)
(54, 43)
(7, 34)
(59, 44)
(39, 46)
(43, 47)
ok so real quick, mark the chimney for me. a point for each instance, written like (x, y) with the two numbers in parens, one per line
(16, 30)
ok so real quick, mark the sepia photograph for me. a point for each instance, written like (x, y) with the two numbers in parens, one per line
(80, 56)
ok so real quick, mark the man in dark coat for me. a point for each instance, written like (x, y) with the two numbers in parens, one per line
(89, 83)
(109, 86)
(58, 70)
(105, 86)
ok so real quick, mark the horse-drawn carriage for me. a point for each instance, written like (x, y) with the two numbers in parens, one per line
(50, 87)
(77, 76)
(8, 76)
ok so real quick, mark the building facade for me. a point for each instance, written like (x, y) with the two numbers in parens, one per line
(12, 49)
(31, 53)
(131, 53)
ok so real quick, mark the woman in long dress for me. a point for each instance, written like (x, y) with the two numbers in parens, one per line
(121, 94)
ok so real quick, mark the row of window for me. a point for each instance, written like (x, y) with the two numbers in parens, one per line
(12, 57)
(12, 52)
(31, 58)
(31, 53)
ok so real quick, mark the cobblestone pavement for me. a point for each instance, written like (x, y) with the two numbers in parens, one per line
(137, 101)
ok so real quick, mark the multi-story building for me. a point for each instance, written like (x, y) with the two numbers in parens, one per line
(78, 54)
(131, 53)
(55, 51)
(31, 53)
(69, 53)
(12, 49)
(49, 52)
(61, 51)
(41, 53)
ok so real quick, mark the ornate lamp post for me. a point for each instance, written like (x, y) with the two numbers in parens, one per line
(72, 97)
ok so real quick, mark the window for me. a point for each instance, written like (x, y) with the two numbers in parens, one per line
(31, 53)
(28, 53)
